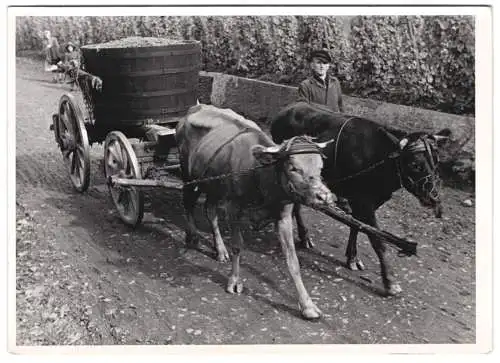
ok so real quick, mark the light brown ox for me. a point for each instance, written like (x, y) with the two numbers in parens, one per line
(262, 182)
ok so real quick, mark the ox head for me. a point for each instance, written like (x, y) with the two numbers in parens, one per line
(418, 167)
(298, 161)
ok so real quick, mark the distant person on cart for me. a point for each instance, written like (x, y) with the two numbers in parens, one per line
(53, 56)
(71, 63)
(323, 89)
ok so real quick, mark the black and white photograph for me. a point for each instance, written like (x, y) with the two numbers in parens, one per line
(247, 177)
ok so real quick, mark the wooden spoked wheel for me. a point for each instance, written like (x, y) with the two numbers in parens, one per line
(120, 161)
(71, 135)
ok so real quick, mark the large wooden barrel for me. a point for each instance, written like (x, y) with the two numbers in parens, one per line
(145, 80)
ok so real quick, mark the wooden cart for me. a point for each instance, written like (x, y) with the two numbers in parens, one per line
(132, 100)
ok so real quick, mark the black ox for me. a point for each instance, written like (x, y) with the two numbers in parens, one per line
(365, 164)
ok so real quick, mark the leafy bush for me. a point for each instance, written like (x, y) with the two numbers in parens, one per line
(412, 60)
(415, 60)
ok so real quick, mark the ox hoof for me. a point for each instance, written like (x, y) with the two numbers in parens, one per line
(393, 290)
(222, 256)
(305, 243)
(311, 312)
(355, 265)
(234, 286)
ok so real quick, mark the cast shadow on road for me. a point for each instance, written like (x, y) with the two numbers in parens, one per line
(47, 170)
(314, 255)
(153, 244)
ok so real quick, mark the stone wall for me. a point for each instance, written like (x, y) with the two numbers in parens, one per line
(260, 101)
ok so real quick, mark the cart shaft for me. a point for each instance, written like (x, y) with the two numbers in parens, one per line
(124, 182)
(407, 247)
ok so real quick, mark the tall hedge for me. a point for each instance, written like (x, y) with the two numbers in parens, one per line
(412, 60)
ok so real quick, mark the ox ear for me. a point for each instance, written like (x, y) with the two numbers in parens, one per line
(266, 155)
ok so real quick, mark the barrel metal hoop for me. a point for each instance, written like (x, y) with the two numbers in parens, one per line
(148, 54)
(160, 93)
(155, 72)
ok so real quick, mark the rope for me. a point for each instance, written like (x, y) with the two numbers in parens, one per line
(216, 152)
(226, 175)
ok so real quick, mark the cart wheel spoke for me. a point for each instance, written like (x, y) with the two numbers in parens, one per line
(109, 161)
(74, 162)
(66, 108)
(81, 164)
(67, 117)
(81, 151)
(125, 165)
(81, 171)
(122, 195)
(114, 154)
(67, 153)
(65, 122)
(128, 203)
(117, 150)
(133, 202)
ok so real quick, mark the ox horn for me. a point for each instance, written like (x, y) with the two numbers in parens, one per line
(403, 143)
(322, 145)
(272, 149)
(266, 155)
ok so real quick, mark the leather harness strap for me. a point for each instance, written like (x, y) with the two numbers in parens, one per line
(221, 146)
(299, 145)
(337, 143)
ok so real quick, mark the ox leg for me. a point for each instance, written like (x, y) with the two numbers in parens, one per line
(211, 212)
(284, 227)
(304, 238)
(391, 288)
(351, 252)
(234, 284)
(366, 214)
(190, 195)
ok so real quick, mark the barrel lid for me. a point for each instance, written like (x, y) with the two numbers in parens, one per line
(139, 47)
(141, 42)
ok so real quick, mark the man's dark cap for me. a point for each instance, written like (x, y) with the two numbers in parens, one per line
(321, 54)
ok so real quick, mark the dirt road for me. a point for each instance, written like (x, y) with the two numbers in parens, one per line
(83, 277)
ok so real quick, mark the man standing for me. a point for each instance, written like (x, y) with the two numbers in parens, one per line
(320, 87)
(325, 90)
